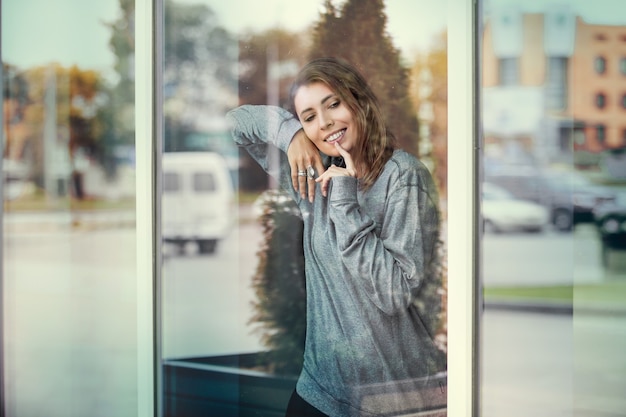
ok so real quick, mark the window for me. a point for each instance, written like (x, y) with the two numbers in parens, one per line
(203, 181)
(622, 65)
(171, 182)
(600, 65)
(509, 71)
(600, 100)
(624, 101)
(72, 331)
(600, 133)
(579, 136)
(556, 85)
(600, 37)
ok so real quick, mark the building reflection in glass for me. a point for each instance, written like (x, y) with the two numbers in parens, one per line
(553, 117)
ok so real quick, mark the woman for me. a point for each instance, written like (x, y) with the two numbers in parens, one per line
(370, 243)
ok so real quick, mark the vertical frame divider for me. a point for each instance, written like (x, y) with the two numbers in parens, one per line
(146, 215)
(463, 253)
(3, 411)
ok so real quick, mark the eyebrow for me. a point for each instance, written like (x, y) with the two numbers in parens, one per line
(324, 100)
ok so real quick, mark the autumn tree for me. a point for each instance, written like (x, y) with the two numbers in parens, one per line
(358, 33)
(429, 75)
(82, 118)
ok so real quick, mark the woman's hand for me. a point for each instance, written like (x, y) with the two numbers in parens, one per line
(335, 171)
(306, 163)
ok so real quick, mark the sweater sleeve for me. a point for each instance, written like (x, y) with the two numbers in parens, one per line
(265, 132)
(390, 266)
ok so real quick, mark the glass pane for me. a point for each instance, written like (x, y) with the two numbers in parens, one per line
(553, 248)
(68, 261)
(233, 275)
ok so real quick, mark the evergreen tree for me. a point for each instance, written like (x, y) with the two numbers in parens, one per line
(279, 284)
(358, 34)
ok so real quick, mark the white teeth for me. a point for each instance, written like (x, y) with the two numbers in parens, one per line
(335, 136)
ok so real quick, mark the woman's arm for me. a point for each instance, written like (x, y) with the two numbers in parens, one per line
(390, 267)
(254, 127)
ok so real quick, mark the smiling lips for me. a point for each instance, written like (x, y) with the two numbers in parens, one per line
(335, 136)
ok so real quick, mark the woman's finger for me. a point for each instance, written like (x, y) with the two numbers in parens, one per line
(346, 155)
(302, 180)
(311, 183)
(294, 175)
(325, 178)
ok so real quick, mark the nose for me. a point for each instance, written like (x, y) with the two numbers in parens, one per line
(325, 121)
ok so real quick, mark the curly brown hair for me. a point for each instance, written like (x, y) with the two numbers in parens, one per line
(376, 144)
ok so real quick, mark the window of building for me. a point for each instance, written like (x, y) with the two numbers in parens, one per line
(600, 64)
(579, 136)
(600, 37)
(556, 83)
(624, 101)
(509, 71)
(600, 100)
(600, 133)
(622, 65)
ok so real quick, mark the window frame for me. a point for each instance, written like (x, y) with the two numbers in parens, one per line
(147, 208)
(464, 147)
(463, 244)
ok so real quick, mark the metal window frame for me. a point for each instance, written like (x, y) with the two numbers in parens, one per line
(464, 147)
(147, 130)
(463, 238)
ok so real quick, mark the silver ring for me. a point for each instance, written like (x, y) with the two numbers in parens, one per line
(302, 173)
(311, 172)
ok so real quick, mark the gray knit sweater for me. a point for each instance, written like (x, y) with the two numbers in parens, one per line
(367, 351)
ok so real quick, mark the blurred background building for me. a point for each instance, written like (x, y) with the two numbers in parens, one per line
(554, 88)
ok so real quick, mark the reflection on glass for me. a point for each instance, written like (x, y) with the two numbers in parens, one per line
(555, 301)
(234, 317)
(68, 260)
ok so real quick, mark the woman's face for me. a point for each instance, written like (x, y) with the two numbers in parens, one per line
(325, 118)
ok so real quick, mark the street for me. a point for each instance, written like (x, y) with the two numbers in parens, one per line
(70, 331)
(550, 258)
(207, 299)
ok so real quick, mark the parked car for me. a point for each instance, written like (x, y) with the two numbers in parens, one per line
(503, 212)
(610, 220)
(198, 199)
(585, 194)
(569, 197)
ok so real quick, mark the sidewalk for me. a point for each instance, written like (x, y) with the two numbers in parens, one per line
(53, 221)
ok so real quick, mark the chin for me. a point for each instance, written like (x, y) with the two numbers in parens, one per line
(332, 152)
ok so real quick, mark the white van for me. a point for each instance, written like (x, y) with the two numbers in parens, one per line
(198, 199)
